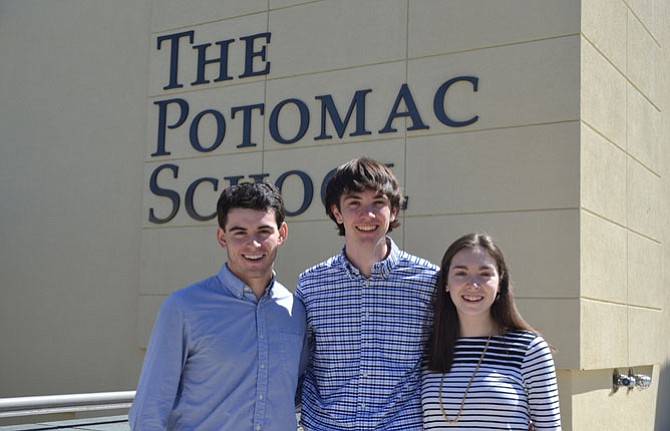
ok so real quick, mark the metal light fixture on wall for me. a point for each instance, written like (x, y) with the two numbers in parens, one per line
(630, 380)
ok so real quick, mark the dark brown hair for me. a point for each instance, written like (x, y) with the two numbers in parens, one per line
(359, 175)
(446, 325)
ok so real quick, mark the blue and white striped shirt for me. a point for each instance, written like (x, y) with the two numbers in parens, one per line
(368, 338)
(516, 383)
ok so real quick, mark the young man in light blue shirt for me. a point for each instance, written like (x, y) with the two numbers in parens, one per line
(369, 311)
(224, 352)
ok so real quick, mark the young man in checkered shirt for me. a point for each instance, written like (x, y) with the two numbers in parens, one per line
(369, 311)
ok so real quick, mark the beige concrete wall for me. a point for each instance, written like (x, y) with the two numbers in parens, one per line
(73, 85)
(624, 213)
(567, 165)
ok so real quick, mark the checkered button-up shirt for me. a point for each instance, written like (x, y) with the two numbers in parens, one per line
(368, 338)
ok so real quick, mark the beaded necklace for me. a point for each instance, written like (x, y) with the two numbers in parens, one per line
(467, 388)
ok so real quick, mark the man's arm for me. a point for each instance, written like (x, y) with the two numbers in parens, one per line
(161, 372)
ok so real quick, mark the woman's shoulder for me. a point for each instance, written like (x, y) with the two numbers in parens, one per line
(522, 338)
(528, 341)
(521, 334)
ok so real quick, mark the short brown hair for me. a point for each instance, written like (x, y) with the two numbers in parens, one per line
(358, 175)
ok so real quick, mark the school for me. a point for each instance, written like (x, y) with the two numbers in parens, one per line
(542, 122)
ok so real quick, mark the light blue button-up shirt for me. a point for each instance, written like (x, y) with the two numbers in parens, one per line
(219, 359)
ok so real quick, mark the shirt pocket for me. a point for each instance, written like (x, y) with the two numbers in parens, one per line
(290, 349)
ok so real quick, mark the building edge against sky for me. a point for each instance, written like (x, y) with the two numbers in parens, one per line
(544, 123)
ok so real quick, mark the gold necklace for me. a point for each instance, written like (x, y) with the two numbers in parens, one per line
(467, 388)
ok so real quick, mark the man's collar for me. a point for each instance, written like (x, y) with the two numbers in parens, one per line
(236, 286)
(379, 269)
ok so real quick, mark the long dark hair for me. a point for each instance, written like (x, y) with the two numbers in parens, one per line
(446, 325)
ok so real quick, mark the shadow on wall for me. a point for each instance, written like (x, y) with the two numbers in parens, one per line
(663, 399)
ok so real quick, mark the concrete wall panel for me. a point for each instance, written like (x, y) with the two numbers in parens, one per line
(174, 14)
(644, 187)
(603, 176)
(438, 27)
(645, 263)
(604, 257)
(645, 130)
(332, 35)
(524, 168)
(604, 24)
(603, 96)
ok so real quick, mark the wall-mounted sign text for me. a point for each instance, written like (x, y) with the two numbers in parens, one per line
(175, 114)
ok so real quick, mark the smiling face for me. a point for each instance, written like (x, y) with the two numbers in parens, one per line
(473, 283)
(251, 239)
(366, 216)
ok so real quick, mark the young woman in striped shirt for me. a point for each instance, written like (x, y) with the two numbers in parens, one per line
(487, 369)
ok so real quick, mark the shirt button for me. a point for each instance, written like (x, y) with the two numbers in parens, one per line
(260, 336)
(258, 428)
(260, 397)
(365, 374)
(363, 405)
(262, 366)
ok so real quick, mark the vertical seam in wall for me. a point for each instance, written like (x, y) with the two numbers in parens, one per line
(627, 153)
(265, 88)
(406, 120)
